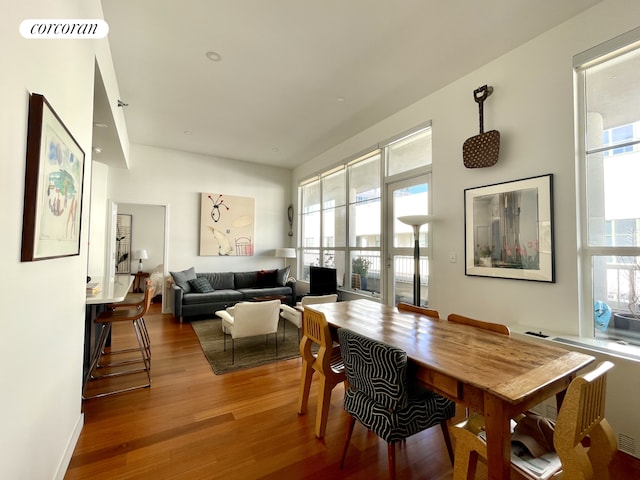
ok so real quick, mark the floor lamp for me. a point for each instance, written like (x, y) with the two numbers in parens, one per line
(415, 221)
(285, 253)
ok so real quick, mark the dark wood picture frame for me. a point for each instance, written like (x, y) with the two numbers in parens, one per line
(54, 180)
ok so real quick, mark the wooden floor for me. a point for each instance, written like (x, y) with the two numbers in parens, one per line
(192, 424)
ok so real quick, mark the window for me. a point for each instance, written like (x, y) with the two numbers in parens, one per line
(410, 152)
(609, 170)
(408, 197)
(365, 207)
(342, 209)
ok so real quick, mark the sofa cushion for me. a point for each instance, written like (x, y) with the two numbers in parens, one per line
(267, 278)
(220, 280)
(245, 279)
(182, 278)
(230, 296)
(201, 285)
(283, 274)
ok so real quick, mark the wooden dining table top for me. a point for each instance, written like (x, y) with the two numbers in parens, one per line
(489, 372)
(506, 367)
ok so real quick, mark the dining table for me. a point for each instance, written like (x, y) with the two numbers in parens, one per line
(497, 375)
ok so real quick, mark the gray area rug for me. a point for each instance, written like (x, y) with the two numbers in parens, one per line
(249, 352)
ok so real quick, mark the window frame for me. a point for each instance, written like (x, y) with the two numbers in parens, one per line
(595, 56)
(380, 149)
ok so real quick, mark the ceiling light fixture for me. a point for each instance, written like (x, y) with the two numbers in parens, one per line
(188, 132)
(213, 56)
(97, 150)
(340, 99)
(101, 125)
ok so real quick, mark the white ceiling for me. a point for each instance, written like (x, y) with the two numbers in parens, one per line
(296, 77)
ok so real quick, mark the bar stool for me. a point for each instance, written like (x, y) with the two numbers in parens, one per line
(133, 298)
(120, 313)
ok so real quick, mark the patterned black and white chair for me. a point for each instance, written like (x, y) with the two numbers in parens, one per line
(381, 397)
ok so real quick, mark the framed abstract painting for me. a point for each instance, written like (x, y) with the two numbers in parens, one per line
(226, 225)
(53, 186)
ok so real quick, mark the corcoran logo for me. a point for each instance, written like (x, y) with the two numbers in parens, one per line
(64, 28)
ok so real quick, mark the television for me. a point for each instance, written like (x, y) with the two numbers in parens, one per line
(322, 280)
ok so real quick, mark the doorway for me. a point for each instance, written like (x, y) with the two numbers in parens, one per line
(407, 197)
(149, 232)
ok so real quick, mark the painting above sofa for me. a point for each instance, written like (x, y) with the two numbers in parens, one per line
(226, 225)
(199, 294)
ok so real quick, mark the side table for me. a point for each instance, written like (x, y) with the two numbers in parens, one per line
(139, 281)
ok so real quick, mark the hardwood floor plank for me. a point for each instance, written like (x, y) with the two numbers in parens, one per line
(191, 425)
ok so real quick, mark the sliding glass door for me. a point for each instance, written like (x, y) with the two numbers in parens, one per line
(408, 197)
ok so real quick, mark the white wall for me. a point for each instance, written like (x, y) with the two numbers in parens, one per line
(177, 178)
(98, 221)
(41, 343)
(532, 107)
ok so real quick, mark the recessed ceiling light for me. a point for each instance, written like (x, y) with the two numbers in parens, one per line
(188, 132)
(340, 99)
(213, 56)
(97, 150)
(101, 125)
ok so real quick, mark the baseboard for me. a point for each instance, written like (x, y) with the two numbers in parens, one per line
(71, 446)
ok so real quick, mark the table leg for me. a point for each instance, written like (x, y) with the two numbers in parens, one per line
(498, 438)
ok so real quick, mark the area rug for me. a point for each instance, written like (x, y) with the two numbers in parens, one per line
(249, 352)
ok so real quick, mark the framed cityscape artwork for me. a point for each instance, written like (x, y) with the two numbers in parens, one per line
(509, 230)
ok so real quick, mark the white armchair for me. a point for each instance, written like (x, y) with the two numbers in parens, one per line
(250, 319)
(294, 314)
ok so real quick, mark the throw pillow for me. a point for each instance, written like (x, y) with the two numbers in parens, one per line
(201, 285)
(283, 274)
(267, 278)
(182, 278)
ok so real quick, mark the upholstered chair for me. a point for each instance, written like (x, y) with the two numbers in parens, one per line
(381, 396)
(250, 319)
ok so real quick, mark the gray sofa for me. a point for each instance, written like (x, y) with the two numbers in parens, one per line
(191, 299)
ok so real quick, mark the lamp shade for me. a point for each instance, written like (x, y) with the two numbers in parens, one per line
(286, 252)
(415, 220)
(141, 255)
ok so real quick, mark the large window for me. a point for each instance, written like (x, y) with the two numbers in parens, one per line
(609, 169)
(341, 211)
